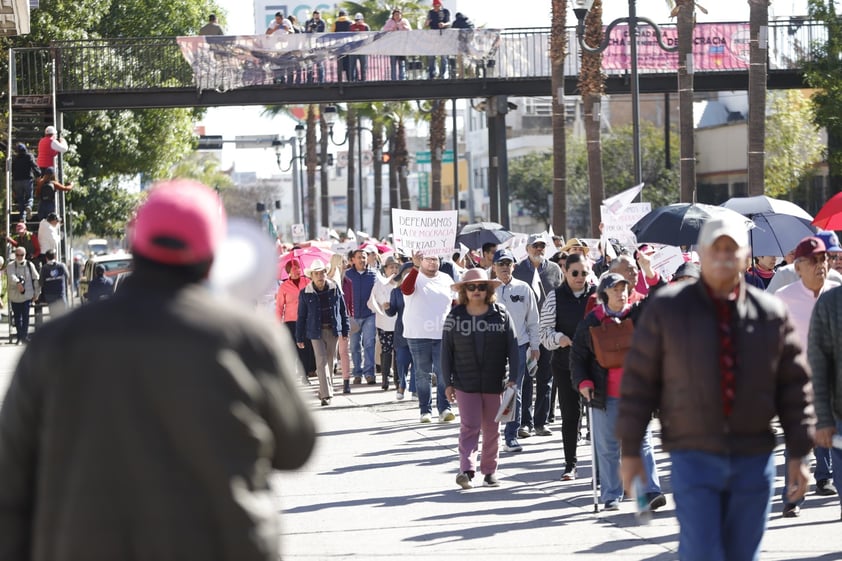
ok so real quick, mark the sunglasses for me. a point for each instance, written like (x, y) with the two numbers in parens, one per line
(836, 257)
(476, 287)
(516, 297)
(539, 245)
(575, 273)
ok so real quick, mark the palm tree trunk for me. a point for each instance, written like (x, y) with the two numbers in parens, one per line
(351, 124)
(401, 158)
(324, 180)
(377, 158)
(394, 170)
(311, 162)
(592, 86)
(758, 18)
(438, 139)
(687, 170)
(558, 47)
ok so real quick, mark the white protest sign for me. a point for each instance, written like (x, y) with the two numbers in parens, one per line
(517, 245)
(298, 234)
(666, 260)
(619, 226)
(432, 232)
(324, 233)
(594, 252)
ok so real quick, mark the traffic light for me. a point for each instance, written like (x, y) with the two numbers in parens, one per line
(386, 157)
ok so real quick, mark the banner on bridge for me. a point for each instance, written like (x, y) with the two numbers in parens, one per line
(226, 62)
(716, 46)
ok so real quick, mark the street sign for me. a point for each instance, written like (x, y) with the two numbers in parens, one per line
(210, 142)
(255, 140)
(424, 157)
(423, 190)
(298, 234)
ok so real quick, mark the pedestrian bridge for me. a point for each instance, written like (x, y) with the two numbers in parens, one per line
(219, 71)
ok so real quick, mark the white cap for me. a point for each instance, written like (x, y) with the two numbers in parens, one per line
(734, 228)
(50, 130)
(358, 15)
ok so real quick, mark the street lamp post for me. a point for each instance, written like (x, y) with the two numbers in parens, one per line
(295, 166)
(580, 8)
(331, 116)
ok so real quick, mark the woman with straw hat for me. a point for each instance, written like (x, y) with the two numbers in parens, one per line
(322, 318)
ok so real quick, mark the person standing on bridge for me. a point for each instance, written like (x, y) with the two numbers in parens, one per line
(211, 27)
(397, 64)
(24, 172)
(438, 18)
(315, 25)
(203, 386)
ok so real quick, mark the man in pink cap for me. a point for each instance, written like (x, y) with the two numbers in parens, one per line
(163, 446)
(438, 18)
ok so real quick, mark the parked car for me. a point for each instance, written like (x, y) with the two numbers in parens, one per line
(114, 264)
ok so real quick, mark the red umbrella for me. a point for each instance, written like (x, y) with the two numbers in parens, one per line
(830, 216)
(305, 257)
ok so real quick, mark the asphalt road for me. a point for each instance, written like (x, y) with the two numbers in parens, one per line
(380, 485)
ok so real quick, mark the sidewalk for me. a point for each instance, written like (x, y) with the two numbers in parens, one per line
(380, 485)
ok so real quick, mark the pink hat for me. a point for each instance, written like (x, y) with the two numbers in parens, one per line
(181, 223)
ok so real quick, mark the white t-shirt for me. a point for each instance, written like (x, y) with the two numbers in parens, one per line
(426, 309)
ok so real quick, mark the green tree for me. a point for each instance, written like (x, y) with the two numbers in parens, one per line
(110, 147)
(530, 182)
(824, 72)
(793, 146)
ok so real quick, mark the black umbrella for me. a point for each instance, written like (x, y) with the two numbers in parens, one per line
(680, 223)
(475, 235)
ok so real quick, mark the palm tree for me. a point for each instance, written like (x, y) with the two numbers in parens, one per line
(323, 176)
(311, 162)
(438, 139)
(351, 126)
(377, 113)
(685, 9)
(558, 50)
(591, 87)
(758, 18)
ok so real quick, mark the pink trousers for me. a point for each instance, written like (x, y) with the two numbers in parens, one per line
(476, 414)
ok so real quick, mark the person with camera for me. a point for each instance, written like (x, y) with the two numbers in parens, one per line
(23, 289)
(315, 25)
(519, 300)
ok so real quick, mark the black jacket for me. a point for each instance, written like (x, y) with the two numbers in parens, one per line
(24, 167)
(474, 350)
(566, 311)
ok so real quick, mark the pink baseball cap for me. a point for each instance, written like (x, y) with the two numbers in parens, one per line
(181, 223)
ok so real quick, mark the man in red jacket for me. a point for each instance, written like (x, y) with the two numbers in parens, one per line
(49, 147)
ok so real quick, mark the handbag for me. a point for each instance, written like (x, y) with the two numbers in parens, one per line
(611, 341)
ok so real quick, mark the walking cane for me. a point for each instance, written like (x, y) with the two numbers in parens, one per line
(593, 452)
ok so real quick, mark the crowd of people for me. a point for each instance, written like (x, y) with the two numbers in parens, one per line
(472, 324)
(355, 67)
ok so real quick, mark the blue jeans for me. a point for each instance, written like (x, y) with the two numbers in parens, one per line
(824, 470)
(20, 317)
(365, 337)
(608, 454)
(403, 359)
(397, 67)
(426, 359)
(431, 67)
(510, 432)
(722, 503)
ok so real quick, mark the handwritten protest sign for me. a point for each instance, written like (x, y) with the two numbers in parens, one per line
(666, 260)
(619, 225)
(432, 232)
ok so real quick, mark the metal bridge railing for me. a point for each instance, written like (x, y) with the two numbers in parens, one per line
(157, 63)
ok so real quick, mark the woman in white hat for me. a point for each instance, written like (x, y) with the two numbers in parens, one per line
(477, 340)
(322, 318)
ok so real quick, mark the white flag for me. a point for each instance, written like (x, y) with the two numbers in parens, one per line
(620, 201)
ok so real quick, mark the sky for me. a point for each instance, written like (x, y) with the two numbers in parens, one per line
(240, 20)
